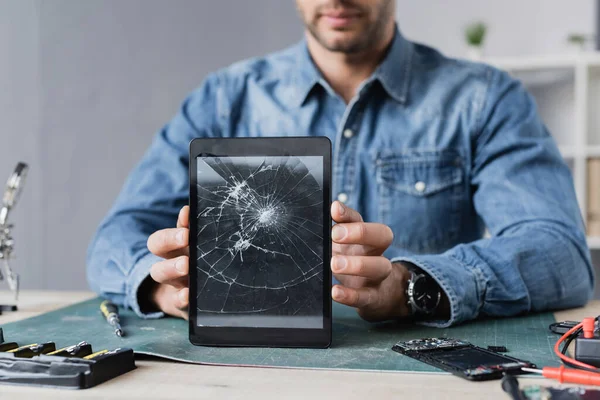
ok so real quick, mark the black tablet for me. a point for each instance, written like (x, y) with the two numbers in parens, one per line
(260, 242)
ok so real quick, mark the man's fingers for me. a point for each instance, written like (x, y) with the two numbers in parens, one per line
(182, 298)
(172, 301)
(183, 221)
(370, 267)
(342, 213)
(359, 298)
(173, 242)
(350, 249)
(170, 271)
(182, 301)
(164, 242)
(365, 233)
(176, 304)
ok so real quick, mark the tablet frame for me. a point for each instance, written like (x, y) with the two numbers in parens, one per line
(249, 336)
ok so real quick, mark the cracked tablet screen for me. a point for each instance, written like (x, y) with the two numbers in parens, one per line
(260, 242)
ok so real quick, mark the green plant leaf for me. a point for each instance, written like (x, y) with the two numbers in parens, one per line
(475, 33)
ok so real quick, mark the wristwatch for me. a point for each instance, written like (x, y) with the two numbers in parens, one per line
(423, 293)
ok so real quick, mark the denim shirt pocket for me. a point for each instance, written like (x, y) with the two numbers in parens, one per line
(421, 194)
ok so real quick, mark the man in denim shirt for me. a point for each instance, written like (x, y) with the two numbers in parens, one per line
(428, 152)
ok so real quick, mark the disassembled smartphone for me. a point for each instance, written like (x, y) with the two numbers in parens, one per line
(462, 358)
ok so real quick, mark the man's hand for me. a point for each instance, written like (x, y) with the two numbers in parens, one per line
(370, 282)
(171, 294)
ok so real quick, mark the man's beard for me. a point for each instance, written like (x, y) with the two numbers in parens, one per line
(372, 35)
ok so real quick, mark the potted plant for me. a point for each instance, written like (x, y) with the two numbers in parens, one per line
(579, 40)
(475, 36)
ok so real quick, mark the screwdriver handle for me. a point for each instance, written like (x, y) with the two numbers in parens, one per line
(572, 376)
(107, 308)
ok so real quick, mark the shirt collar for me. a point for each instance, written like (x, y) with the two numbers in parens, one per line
(393, 73)
(307, 75)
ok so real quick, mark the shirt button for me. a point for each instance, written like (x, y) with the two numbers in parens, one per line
(420, 186)
(343, 197)
(348, 133)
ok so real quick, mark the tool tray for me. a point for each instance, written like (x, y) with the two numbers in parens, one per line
(67, 372)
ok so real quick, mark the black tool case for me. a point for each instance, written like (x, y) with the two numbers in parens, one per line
(66, 372)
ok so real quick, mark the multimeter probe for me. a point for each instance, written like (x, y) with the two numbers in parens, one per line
(587, 352)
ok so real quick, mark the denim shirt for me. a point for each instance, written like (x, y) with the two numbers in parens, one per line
(436, 148)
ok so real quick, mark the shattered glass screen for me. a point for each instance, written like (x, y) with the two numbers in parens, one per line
(260, 242)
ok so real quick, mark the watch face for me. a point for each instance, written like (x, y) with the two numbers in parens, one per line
(426, 293)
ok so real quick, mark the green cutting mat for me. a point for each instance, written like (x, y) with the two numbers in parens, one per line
(356, 344)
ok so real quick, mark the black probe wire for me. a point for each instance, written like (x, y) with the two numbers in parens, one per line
(570, 339)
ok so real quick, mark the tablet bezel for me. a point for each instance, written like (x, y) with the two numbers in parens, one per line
(263, 337)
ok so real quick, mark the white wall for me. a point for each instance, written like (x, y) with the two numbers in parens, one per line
(20, 129)
(84, 85)
(516, 27)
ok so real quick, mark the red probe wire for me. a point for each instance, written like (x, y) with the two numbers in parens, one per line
(571, 375)
(564, 357)
(564, 375)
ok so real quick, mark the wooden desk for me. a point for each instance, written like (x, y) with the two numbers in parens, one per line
(159, 379)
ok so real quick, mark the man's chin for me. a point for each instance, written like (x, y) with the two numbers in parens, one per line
(343, 43)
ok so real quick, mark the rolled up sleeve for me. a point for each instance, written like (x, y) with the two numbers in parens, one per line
(537, 256)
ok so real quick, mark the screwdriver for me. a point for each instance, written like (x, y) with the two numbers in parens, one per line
(81, 349)
(111, 313)
(567, 375)
(34, 349)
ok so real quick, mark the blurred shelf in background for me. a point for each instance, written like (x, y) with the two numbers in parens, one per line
(543, 62)
(593, 242)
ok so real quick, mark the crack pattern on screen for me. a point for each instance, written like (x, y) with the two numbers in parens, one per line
(260, 236)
